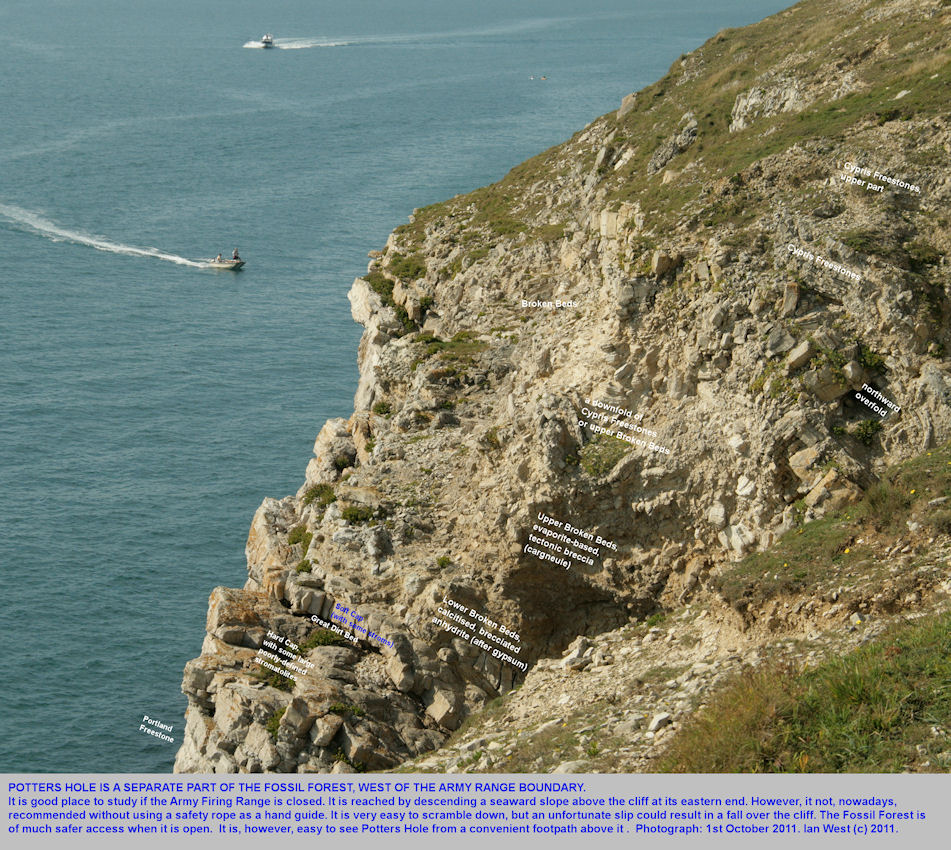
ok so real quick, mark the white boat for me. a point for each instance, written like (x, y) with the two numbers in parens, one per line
(229, 265)
(267, 40)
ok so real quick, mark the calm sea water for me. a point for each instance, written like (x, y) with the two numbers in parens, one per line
(147, 404)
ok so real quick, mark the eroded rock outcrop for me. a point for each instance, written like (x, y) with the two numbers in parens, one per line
(493, 321)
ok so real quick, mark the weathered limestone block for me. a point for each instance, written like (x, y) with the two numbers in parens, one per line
(334, 444)
(745, 486)
(823, 488)
(825, 384)
(444, 709)
(297, 718)
(258, 746)
(737, 538)
(324, 729)
(627, 104)
(232, 615)
(854, 374)
(607, 224)
(663, 262)
(401, 674)
(191, 755)
(364, 302)
(790, 299)
(359, 745)
(769, 97)
(779, 341)
(362, 434)
(233, 708)
(717, 515)
(802, 461)
(199, 673)
(267, 551)
(842, 496)
(800, 355)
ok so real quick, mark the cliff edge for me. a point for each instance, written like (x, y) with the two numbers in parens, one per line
(592, 390)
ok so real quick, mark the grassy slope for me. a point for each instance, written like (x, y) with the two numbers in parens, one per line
(868, 711)
(706, 82)
(872, 711)
(830, 551)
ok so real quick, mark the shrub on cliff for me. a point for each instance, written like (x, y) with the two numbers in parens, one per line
(599, 456)
(322, 494)
(407, 268)
(341, 462)
(322, 637)
(300, 534)
(274, 721)
(357, 513)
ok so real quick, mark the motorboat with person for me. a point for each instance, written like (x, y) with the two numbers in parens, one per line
(233, 264)
(267, 40)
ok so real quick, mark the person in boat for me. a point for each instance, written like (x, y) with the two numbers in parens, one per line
(234, 255)
(218, 258)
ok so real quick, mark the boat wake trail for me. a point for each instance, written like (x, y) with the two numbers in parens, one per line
(44, 227)
(507, 29)
(307, 43)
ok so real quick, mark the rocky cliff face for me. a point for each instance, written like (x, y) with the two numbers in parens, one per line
(700, 259)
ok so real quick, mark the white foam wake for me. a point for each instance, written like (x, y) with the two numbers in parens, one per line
(44, 227)
(512, 28)
(305, 43)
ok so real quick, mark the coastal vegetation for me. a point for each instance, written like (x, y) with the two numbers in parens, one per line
(322, 637)
(819, 557)
(274, 722)
(322, 494)
(357, 513)
(300, 534)
(873, 710)
(599, 456)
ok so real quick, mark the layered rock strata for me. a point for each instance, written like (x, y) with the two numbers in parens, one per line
(668, 227)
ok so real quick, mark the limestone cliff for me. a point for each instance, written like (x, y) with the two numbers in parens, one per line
(699, 258)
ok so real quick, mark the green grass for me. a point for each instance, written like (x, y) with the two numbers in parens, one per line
(323, 637)
(771, 381)
(407, 268)
(383, 287)
(344, 709)
(600, 455)
(921, 255)
(863, 241)
(300, 534)
(866, 430)
(869, 359)
(275, 680)
(491, 438)
(461, 349)
(322, 494)
(863, 712)
(726, 65)
(357, 513)
(382, 408)
(304, 566)
(341, 462)
(358, 766)
(274, 721)
(816, 554)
